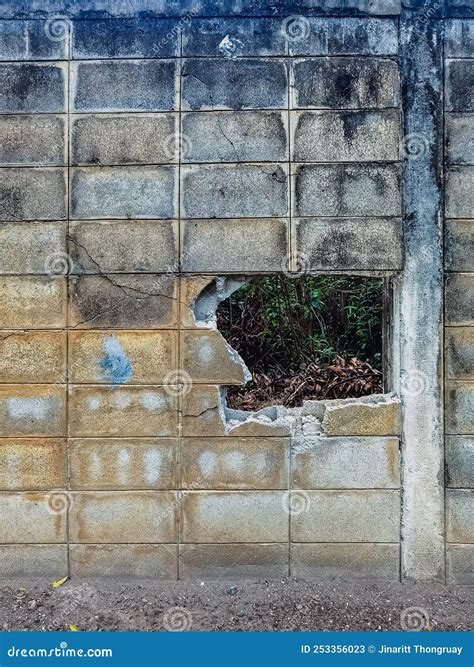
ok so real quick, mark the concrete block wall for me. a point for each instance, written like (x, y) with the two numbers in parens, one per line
(459, 266)
(151, 159)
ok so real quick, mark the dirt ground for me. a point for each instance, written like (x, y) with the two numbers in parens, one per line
(233, 605)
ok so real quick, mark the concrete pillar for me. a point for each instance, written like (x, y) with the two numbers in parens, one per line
(421, 300)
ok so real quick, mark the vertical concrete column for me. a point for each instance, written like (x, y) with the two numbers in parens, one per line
(421, 300)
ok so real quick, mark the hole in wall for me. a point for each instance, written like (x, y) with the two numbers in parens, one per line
(309, 337)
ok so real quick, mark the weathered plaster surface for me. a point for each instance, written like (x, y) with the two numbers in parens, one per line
(200, 143)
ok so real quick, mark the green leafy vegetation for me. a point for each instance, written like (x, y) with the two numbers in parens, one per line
(305, 338)
(278, 323)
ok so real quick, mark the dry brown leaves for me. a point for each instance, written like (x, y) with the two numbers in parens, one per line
(343, 379)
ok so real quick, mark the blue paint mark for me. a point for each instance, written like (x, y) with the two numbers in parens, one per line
(115, 362)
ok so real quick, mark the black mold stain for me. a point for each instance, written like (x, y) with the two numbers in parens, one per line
(32, 87)
(11, 203)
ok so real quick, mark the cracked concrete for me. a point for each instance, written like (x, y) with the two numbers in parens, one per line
(286, 149)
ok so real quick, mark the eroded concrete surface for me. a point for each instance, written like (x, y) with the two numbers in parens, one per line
(197, 146)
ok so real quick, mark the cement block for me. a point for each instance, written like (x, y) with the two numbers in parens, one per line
(38, 87)
(235, 136)
(233, 516)
(123, 561)
(32, 193)
(370, 415)
(123, 192)
(27, 518)
(125, 38)
(346, 463)
(459, 299)
(459, 342)
(233, 561)
(345, 561)
(207, 357)
(460, 408)
(122, 517)
(234, 463)
(460, 564)
(347, 190)
(459, 245)
(240, 246)
(460, 138)
(127, 85)
(203, 412)
(234, 37)
(345, 83)
(131, 411)
(33, 356)
(347, 516)
(460, 192)
(190, 289)
(28, 302)
(32, 410)
(239, 191)
(459, 38)
(460, 461)
(234, 84)
(32, 140)
(459, 85)
(32, 463)
(345, 36)
(350, 244)
(258, 428)
(345, 136)
(121, 357)
(33, 561)
(104, 139)
(28, 40)
(32, 247)
(123, 301)
(460, 516)
(122, 463)
(123, 246)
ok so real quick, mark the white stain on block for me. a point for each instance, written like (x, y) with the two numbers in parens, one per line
(152, 466)
(95, 466)
(123, 460)
(38, 408)
(234, 461)
(207, 463)
(152, 401)
(121, 401)
(93, 403)
(205, 352)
